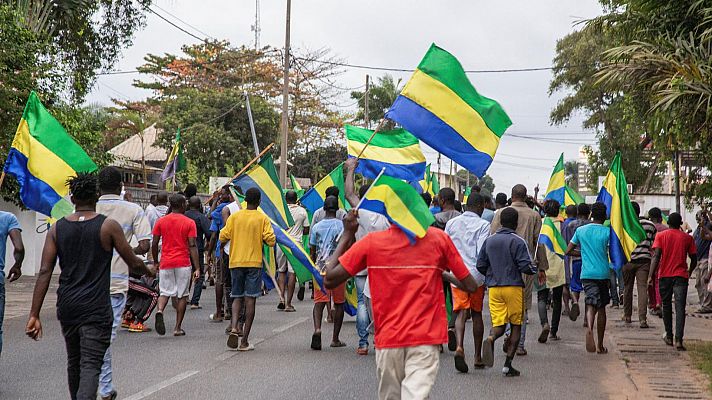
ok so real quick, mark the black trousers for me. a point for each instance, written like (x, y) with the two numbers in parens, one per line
(86, 346)
(542, 297)
(676, 286)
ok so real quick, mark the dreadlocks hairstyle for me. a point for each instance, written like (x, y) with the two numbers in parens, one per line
(83, 187)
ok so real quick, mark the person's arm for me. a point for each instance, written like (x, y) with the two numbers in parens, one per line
(657, 252)
(112, 231)
(18, 253)
(143, 247)
(693, 263)
(336, 274)
(312, 252)
(204, 224)
(225, 213)
(154, 251)
(452, 259)
(211, 246)
(483, 262)
(268, 236)
(349, 191)
(49, 259)
(572, 251)
(194, 261)
(523, 260)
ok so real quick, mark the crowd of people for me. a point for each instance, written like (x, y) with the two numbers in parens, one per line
(483, 247)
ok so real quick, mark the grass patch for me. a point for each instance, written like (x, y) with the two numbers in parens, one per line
(701, 355)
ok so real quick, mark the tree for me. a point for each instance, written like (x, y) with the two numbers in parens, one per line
(571, 174)
(486, 182)
(380, 98)
(317, 163)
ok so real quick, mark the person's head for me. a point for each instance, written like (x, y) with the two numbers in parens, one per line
(190, 190)
(331, 206)
(194, 203)
(458, 206)
(583, 211)
(253, 198)
(476, 189)
(153, 200)
(674, 220)
(598, 212)
(519, 193)
(701, 217)
(509, 218)
(500, 201)
(475, 203)
(109, 181)
(225, 195)
(655, 215)
(162, 198)
(447, 198)
(83, 189)
(291, 197)
(488, 201)
(551, 208)
(436, 201)
(426, 198)
(530, 202)
(571, 211)
(177, 203)
(331, 191)
(636, 207)
(362, 190)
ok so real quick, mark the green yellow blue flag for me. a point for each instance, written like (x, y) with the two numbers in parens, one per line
(314, 198)
(263, 176)
(626, 231)
(351, 305)
(551, 237)
(440, 106)
(42, 158)
(400, 203)
(396, 150)
(176, 161)
(558, 190)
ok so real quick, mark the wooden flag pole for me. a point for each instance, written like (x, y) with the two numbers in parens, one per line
(378, 129)
(254, 160)
(2, 178)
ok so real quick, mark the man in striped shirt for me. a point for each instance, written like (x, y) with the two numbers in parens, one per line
(637, 270)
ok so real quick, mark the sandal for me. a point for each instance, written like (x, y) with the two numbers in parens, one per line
(216, 317)
(460, 363)
(290, 309)
(590, 343)
(233, 341)
(316, 341)
(249, 347)
(160, 324)
(280, 306)
(179, 333)
(602, 350)
(337, 343)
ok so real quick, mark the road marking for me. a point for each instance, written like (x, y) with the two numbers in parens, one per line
(161, 385)
(290, 325)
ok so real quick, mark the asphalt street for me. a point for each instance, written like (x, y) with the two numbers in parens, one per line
(199, 365)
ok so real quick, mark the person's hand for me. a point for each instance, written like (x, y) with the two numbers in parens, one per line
(541, 275)
(14, 273)
(151, 272)
(34, 328)
(351, 221)
(196, 275)
(650, 281)
(350, 164)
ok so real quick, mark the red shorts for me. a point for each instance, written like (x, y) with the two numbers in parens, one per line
(338, 294)
(462, 300)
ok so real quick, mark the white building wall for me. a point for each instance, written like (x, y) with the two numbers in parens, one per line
(33, 241)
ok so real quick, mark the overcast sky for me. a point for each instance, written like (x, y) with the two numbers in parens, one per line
(483, 35)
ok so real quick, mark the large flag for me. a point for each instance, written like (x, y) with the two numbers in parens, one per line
(314, 198)
(42, 158)
(440, 106)
(263, 176)
(303, 265)
(626, 231)
(572, 197)
(176, 161)
(396, 150)
(400, 203)
(551, 237)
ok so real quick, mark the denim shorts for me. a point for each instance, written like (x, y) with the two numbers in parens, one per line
(597, 292)
(246, 282)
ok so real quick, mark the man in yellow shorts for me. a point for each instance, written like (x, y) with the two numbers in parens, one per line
(503, 259)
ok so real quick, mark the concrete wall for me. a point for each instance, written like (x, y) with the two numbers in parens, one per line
(33, 241)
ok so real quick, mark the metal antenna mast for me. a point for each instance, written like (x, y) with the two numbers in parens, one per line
(256, 27)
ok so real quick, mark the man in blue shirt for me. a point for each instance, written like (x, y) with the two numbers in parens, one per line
(594, 239)
(9, 227)
(221, 274)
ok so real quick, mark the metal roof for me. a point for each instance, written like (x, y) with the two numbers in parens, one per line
(130, 149)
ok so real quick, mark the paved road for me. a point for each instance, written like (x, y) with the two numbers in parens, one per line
(199, 365)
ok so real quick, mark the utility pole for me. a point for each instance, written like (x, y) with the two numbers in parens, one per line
(256, 27)
(676, 160)
(285, 104)
(252, 126)
(365, 106)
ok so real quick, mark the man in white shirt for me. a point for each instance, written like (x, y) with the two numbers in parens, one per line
(468, 232)
(319, 214)
(299, 229)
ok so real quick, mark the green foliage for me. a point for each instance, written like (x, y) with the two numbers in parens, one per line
(380, 98)
(317, 163)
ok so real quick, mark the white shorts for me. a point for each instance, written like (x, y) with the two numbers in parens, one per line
(175, 282)
(283, 264)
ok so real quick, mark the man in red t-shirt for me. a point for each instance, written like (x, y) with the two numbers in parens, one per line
(179, 256)
(670, 251)
(407, 297)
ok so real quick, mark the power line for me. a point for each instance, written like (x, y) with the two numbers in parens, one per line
(551, 140)
(175, 26)
(186, 23)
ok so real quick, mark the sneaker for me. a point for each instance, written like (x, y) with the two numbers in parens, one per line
(112, 396)
(667, 339)
(510, 371)
(138, 327)
(125, 323)
(644, 325)
(195, 307)
(544, 335)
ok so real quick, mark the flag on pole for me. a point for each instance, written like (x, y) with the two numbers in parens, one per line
(558, 190)
(263, 176)
(42, 158)
(571, 197)
(551, 237)
(176, 161)
(440, 106)
(314, 198)
(303, 265)
(400, 203)
(626, 231)
(429, 183)
(396, 150)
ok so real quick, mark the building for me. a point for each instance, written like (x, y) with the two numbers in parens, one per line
(130, 155)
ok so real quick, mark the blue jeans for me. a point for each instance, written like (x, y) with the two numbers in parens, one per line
(118, 302)
(362, 318)
(2, 305)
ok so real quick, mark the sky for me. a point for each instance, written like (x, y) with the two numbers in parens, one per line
(483, 35)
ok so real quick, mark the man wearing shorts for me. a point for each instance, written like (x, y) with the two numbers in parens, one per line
(583, 218)
(594, 239)
(287, 280)
(178, 261)
(468, 232)
(246, 230)
(322, 242)
(503, 259)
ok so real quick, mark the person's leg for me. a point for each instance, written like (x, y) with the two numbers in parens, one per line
(250, 302)
(282, 278)
(198, 289)
(237, 296)
(704, 269)
(181, 305)
(576, 289)
(629, 271)
(567, 299)
(219, 291)
(291, 284)
(591, 312)
(94, 339)
(253, 290)
(390, 369)
(460, 320)
(522, 334)
(318, 316)
(362, 318)
(421, 369)
(666, 292)
(2, 306)
(556, 298)
(227, 285)
(601, 329)
(641, 277)
(541, 298)
(338, 322)
(478, 332)
(508, 369)
(71, 341)
(613, 289)
(118, 301)
(680, 291)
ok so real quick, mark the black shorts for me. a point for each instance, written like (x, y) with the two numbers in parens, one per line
(597, 292)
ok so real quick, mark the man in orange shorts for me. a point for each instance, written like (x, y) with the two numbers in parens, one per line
(323, 238)
(468, 232)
